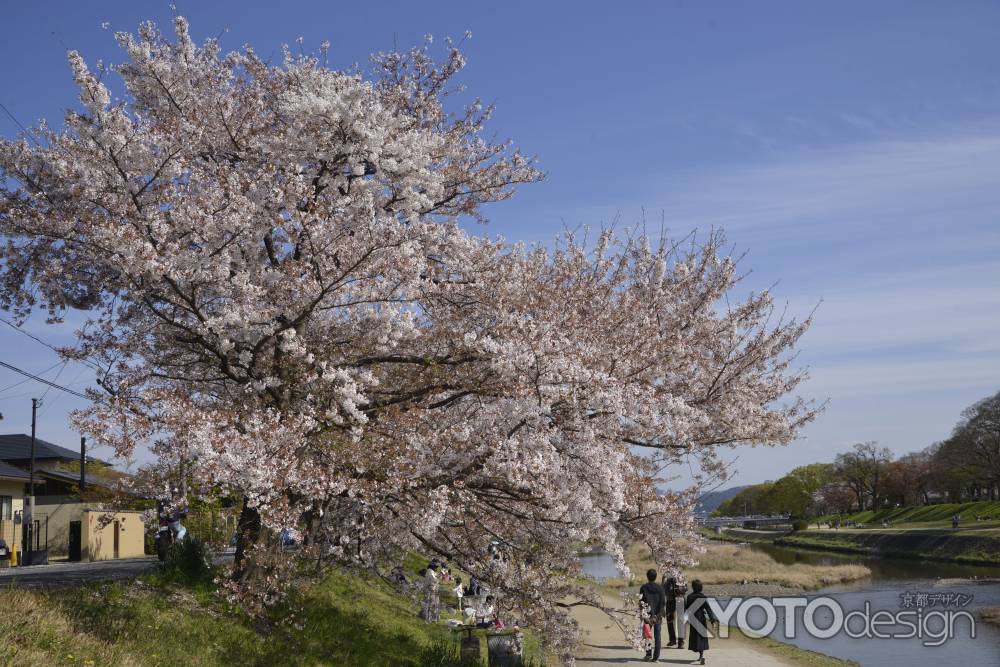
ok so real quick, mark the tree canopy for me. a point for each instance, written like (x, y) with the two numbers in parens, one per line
(281, 296)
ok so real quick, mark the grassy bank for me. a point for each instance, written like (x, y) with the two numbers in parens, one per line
(926, 516)
(974, 547)
(731, 564)
(744, 535)
(346, 620)
(788, 653)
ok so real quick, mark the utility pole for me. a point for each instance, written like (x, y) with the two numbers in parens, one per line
(83, 464)
(29, 524)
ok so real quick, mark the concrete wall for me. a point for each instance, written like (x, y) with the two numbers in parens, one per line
(60, 510)
(98, 534)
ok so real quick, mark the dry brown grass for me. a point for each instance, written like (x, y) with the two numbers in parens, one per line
(990, 615)
(35, 633)
(734, 564)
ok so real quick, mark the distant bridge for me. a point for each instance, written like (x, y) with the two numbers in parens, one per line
(749, 521)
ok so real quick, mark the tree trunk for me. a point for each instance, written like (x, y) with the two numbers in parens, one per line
(248, 530)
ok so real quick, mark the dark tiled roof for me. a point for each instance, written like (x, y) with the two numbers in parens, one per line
(8, 471)
(74, 477)
(17, 447)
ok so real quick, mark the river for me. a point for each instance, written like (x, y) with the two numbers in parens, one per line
(890, 580)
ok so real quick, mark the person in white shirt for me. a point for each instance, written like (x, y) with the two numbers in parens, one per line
(459, 591)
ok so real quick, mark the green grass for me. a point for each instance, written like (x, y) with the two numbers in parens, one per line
(929, 516)
(346, 620)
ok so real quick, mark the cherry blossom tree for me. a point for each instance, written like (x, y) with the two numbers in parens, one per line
(282, 297)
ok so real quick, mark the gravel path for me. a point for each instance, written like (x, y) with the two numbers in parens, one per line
(604, 645)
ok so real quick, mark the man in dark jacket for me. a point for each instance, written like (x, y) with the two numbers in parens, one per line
(651, 595)
(674, 595)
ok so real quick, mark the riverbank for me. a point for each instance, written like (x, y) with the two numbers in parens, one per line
(990, 615)
(973, 546)
(732, 570)
(744, 535)
(980, 514)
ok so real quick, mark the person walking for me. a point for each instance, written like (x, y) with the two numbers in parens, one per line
(672, 591)
(701, 611)
(654, 603)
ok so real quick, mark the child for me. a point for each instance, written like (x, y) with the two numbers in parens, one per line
(459, 591)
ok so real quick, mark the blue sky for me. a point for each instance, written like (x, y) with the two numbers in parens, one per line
(853, 148)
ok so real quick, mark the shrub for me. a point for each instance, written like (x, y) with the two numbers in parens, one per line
(800, 524)
(444, 654)
(188, 561)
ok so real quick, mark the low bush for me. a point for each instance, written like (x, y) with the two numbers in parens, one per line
(188, 561)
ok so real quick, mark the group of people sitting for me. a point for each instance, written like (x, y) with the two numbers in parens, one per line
(483, 612)
(665, 602)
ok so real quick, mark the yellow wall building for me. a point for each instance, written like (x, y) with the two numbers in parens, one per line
(110, 535)
(11, 503)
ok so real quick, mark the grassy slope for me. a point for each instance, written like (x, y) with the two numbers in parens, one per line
(926, 516)
(344, 621)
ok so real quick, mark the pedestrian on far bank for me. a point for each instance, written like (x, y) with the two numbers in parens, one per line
(654, 600)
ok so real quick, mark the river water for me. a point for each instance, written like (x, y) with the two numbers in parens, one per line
(885, 590)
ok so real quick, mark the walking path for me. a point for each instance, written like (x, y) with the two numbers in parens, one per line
(605, 645)
(65, 573)
(77, 573)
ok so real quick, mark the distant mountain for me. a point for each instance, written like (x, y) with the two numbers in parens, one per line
(710, 501)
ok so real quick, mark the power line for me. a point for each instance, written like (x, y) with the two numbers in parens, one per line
(42, 380)
(38, 340)
(54, 400)
(18, 384)
(49, 388)
(18, 123)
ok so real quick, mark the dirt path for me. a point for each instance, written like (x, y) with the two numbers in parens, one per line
(605, 645)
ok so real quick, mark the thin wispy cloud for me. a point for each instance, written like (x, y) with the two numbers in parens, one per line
(899, 243)
(831, 190)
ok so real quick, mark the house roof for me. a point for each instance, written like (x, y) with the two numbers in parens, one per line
(74, 477)
(17, 447)
(8, 471)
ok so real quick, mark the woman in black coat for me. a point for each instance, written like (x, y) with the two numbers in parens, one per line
(697, 641)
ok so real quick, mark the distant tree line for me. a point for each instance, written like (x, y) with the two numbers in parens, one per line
(965, 467)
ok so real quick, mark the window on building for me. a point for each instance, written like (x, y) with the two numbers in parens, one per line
(6, 508)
